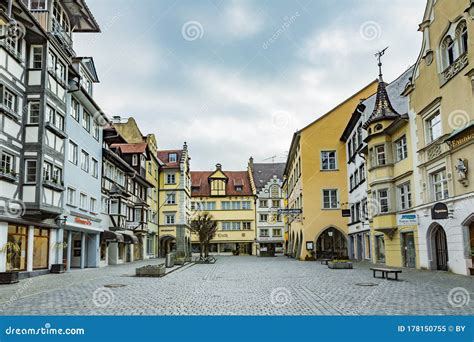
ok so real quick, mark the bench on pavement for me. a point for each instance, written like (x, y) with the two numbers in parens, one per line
(385, 272)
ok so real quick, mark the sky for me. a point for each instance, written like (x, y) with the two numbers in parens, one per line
(236, 78)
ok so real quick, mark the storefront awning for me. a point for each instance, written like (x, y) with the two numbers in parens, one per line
(390, 231)
(110, 236)
(128, 237)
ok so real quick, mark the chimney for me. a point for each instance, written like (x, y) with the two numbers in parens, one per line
(251, 163)
(219, 167)
(116, 119)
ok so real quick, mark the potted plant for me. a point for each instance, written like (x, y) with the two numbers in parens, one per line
(10, 277)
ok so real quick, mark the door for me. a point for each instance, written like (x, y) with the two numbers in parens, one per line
(471, 233)
(441, 249)
(409, 252)
(359, 247)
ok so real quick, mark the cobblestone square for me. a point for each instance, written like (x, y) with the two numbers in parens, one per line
(240, 286)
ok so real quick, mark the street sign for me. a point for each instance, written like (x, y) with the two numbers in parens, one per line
(289, 211)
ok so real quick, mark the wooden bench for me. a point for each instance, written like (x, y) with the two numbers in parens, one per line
(325, 261)
(385, 272)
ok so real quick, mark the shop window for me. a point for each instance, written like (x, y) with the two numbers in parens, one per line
(16, 248)
(40, 248)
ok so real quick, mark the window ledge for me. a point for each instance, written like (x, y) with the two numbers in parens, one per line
(9, 177)
(56, 130)
(54, 186)
(7, 111)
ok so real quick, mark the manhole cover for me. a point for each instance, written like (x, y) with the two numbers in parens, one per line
(114, 285)
(366, 284)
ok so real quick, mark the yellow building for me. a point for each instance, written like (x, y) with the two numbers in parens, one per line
(130, 131)
(441, 100)
(316, 176)
(229, 198)
(390, 160)
(174, 202)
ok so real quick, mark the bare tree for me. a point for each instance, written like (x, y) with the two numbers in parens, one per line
(205, 227)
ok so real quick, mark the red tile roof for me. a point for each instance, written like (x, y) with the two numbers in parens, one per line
(201, 188)
(163, 156)
(130, 148)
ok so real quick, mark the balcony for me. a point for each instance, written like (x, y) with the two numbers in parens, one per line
(62, 36)
(454, 69)
(54, 184)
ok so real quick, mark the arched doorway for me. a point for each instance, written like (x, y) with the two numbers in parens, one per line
(439, 248)
(167, 245)
(331, 243)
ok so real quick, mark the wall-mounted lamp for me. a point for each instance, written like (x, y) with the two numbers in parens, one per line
(61, 220)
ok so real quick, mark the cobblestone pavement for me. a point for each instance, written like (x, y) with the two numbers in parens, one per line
(240, 286)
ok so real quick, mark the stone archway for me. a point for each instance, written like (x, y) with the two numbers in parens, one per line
(331, 243)
(167, 245)
(438, 247)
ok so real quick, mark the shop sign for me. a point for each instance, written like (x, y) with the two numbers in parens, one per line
(289, 211)
(439, 211)
(407, 220)
(222, 235)
(346, 213)
(83, 221)
(462, 139)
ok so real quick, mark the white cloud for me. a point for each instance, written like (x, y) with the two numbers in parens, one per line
(241, 19)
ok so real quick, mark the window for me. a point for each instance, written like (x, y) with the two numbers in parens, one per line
(351, 182)
(404, 195)
(276, 232)
(275, 191)
(40, 248)
(356, 178)
(328, 160)
(95, 168)
(71, 196)
(434, 127)
(52, 61)
(93, 205)
(172, 157)
(246, 205)
(75, 109)
(359, 135)
(383, 200)
(30, 174)
(40, 5)
(9, 99)
(85, 161)
(264, 232)
(61, 71)
(276, 204)
(170, 218)
(104, 207)
(33, 112)
(170, 178)
(57, 175)
(171, 198)
(330, 200)
(448, 51)
(73, 152)
(263, 204)
(461, 33)
(246, 225)
(59, 121)
(86, 121)
(37, 57)
(362, 173)
(83, 201)
(17, 256)
(380, 155)
(263, 217)
(95, 129)
(7, 163)
(60, 16)
(401, 148)
(439, 185)
(135, 160)
(47, 171)
(231, 225)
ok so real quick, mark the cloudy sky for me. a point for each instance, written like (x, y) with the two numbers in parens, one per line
(236, 78)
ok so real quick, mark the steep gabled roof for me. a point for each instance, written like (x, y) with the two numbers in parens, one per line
(163, 156)
(201, 186)
(130, 148)
(264, 172)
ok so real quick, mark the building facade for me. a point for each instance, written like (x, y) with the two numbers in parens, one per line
(390, 154)
(316, 173)
(37, 66)
(441, 100)
(174, 202)
(267, 179)
(229, 198)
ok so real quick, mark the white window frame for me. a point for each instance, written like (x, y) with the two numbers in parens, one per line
(404, 196)
(442, 182)
(333, 194)
(401, 148)
(430, 134)
(71, 190)
(325, 155)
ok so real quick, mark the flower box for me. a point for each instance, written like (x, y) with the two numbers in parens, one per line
(336, 264)
(151, 271)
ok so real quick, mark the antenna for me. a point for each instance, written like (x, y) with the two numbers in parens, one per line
(272, 158)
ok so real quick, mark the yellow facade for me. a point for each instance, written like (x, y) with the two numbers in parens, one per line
(316, 169)
(229, 198)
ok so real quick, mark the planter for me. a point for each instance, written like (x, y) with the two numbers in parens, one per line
(344, 265)
(179, 261)
(151, 271)
(8, 277)
(57, 268)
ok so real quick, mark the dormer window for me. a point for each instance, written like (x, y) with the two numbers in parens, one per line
(238, 188)
(134, 160)
(172, 157)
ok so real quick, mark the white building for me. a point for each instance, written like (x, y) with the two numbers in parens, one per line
(268, 178)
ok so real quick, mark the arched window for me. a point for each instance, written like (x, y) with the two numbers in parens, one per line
(448, 51)
(61, 16)
(461, 37)
(275, 191)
